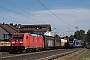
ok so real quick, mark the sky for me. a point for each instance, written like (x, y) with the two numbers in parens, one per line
(63, 15)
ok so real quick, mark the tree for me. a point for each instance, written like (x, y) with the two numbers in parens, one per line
(56, 36)
(79, 35)
(82, 34)
(88, 33)
(71, 37)
(76, 35)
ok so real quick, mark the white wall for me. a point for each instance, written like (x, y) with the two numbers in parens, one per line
(48, 33)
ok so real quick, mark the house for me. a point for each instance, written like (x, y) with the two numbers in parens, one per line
(43, 29)
(6, 30)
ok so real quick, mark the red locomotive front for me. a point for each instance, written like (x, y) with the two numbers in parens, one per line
(17, 42)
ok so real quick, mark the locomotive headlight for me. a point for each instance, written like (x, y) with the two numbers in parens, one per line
(13, 42)
(21, 42)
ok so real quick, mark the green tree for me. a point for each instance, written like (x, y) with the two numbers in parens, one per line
(79, 35)
(88, 33)
(71, 37)
(82, 34)
(56, 36)
(76, 35)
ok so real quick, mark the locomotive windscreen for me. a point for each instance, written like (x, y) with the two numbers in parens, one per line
(18, 36)
(77, 43)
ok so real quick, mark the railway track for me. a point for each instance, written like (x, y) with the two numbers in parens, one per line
(37, 55)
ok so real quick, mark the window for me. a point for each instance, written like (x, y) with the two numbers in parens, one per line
(18, 36)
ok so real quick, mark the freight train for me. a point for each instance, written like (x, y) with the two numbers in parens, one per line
(27, 42)
(20, 42)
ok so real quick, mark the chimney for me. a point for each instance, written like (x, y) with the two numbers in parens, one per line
(11, 24)
(3, 23)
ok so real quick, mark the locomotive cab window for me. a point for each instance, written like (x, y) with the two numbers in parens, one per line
(17, 36)
(77, 43)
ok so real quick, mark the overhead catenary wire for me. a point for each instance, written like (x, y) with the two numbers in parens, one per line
(11, 17)
(21, 9)
(8, 19)
(19, 14)
(70, 29)
(15, 6)
(29, 13)
(54, 13)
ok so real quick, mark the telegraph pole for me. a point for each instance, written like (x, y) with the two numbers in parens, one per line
(18, 28)
(76, 28)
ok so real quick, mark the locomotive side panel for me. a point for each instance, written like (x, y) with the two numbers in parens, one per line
(36, 41)
(40, 41)
(26, 40)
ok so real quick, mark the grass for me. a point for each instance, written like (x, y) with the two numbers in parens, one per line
(87, 57)
(1, 53)
(74, 56)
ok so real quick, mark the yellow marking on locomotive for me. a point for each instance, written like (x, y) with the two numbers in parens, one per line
(5, 43)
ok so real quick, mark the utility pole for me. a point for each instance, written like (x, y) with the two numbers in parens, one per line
(76, 28)
(18, 28)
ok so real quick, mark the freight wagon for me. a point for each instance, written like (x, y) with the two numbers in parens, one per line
(49, 42)
(27, 42)
(4, 46)
(64, 43)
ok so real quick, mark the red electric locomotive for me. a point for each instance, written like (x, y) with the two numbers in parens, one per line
(26, 42)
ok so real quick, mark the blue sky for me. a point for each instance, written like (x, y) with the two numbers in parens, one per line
(73, 12)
